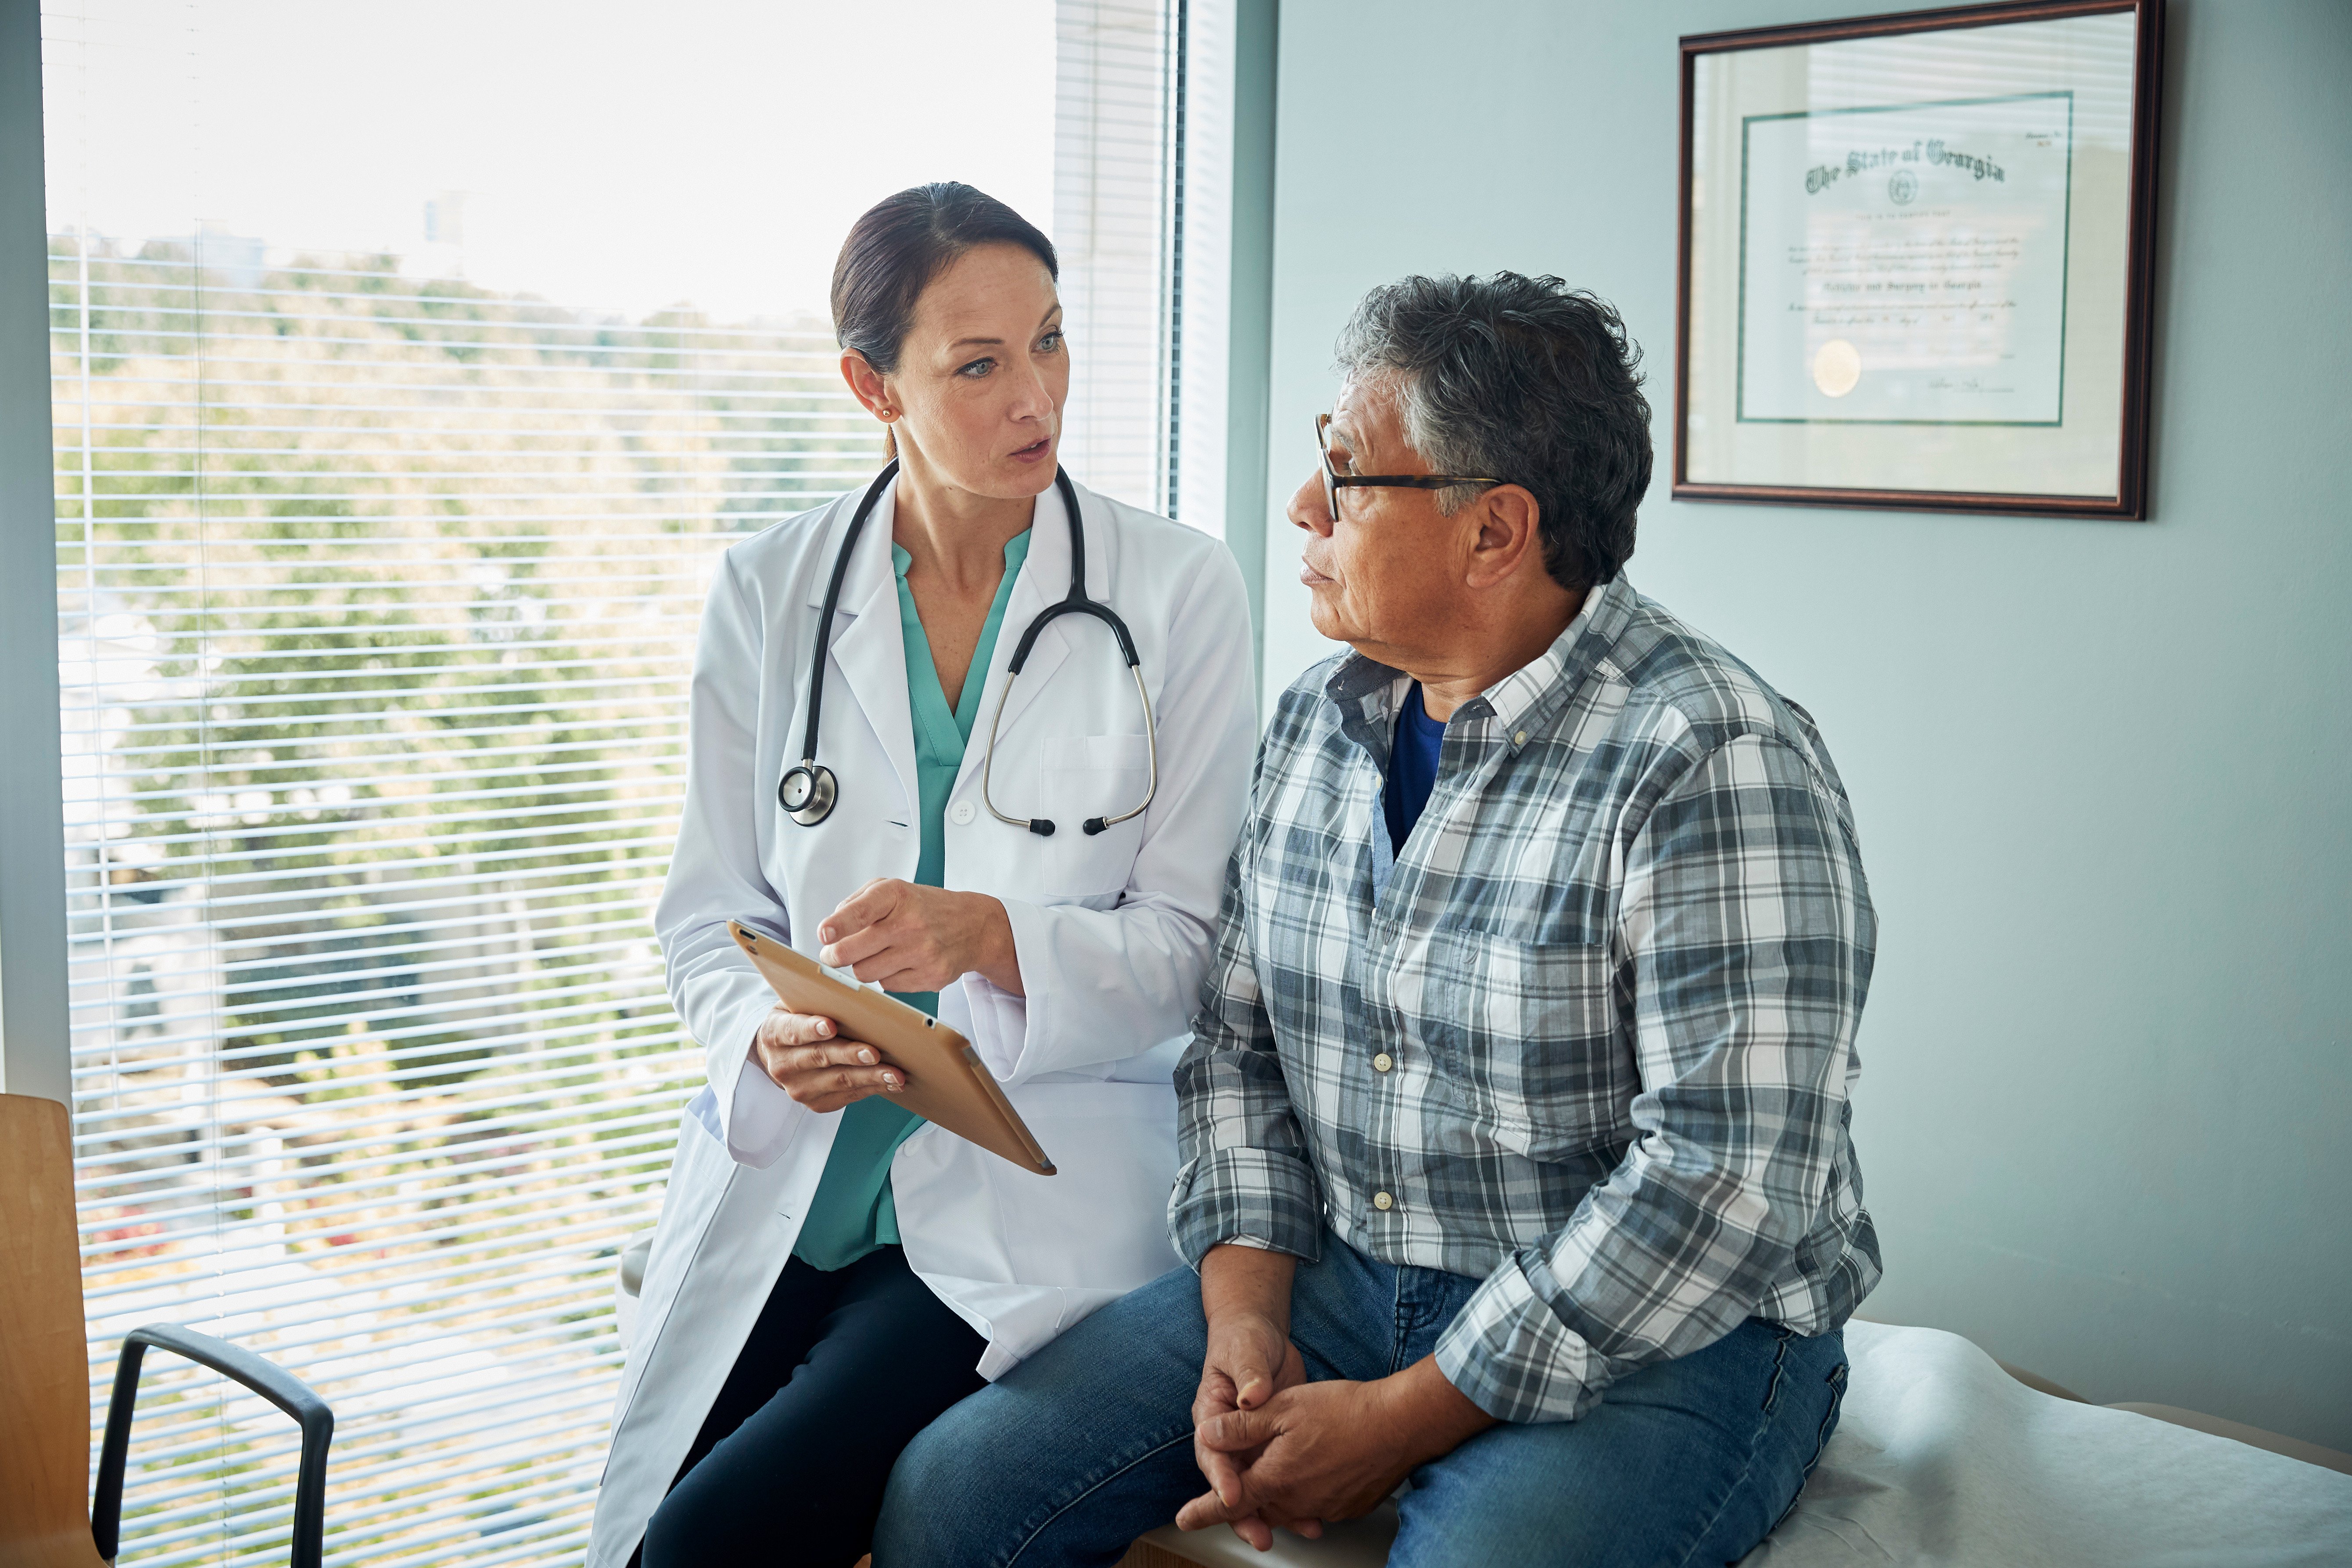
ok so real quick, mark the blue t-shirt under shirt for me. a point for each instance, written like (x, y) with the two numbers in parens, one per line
(1412, 768)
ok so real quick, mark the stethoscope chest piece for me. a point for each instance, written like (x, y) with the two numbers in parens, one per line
(807, 792)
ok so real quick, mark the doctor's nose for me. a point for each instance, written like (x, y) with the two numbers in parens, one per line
(1306, 508)
(1030, 397)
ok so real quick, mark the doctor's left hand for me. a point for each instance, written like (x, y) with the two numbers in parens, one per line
(914, 938)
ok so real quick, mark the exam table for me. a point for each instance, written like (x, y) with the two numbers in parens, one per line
(1943, 1457)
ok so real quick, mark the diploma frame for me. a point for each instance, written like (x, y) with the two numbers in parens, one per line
(1988, 464)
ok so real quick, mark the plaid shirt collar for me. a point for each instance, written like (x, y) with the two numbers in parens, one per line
(1367, 693)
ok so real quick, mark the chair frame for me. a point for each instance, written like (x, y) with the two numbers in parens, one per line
(281, 1387)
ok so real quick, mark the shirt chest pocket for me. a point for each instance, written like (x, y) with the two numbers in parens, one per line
(1082, 777)
(1527, 1033)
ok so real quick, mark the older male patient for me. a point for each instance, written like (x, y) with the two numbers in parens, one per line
(1515, 1126)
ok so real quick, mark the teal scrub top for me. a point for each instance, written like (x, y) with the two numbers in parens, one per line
(853, 1212)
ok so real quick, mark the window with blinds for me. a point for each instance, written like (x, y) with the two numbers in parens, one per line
(378, 588)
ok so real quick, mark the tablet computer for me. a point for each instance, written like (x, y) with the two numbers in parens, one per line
(946, 1080)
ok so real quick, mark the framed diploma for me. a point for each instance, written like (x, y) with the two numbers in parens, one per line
(1915, 260)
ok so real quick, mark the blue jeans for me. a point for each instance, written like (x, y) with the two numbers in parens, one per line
(1088, 1443)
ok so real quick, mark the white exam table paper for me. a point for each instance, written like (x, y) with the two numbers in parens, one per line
(1943, 1460)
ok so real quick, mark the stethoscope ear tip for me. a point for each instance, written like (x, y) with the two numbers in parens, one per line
(1042, 826)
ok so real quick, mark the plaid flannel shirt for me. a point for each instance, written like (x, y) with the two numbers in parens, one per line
(1588, 1035)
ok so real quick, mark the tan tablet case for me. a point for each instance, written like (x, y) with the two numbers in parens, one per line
(946, 1080)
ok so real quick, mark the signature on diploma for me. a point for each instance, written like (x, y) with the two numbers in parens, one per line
(1967, 384)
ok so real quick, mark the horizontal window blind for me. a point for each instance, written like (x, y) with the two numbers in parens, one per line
(1116, 167)
(378, 595)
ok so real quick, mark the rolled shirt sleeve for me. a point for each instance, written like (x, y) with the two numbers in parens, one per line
(1745, 936)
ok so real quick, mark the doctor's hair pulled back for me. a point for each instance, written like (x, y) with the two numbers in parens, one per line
(903, 241)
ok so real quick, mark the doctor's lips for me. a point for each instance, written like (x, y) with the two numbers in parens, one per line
(1035, 450)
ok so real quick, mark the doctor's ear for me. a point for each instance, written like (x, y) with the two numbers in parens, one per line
(865, 384)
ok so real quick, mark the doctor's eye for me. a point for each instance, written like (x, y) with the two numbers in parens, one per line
(1051, 343)
(976, 369)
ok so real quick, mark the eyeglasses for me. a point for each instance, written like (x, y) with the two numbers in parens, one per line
(1334, 480)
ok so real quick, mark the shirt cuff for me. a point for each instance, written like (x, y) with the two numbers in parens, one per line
(1003, 1025)
(1258, 1193)
(1000, 1024)
(1509, 1354)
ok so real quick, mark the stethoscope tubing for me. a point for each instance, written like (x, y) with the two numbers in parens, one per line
(818, 790)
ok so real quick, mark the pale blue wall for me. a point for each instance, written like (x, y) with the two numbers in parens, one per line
(2100, 769)
(33, 1012)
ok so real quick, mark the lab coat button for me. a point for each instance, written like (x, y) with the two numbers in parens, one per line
(960, 813)
(1382, 1062)
(1384, 1202)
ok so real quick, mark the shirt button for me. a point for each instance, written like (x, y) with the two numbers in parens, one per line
(1384, 1202)
(962, 813)
(1520, 738)
(1382, 1062)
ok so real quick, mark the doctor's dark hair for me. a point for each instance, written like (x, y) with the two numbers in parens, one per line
(1524, 380)
(903, 241)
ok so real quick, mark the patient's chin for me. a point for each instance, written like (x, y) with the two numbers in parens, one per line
(1326, 618)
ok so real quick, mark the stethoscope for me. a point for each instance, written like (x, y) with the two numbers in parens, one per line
(808, 790)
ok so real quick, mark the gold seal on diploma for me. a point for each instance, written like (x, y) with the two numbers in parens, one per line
(1837, 368)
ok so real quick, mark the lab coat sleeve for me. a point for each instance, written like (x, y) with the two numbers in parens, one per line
(714, 877)
(1104, 985)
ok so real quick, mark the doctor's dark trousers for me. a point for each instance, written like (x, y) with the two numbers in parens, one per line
(840, 1373)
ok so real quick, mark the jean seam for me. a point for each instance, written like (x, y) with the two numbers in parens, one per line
(1107, 1477)
(1398, 1332)
(1755, 1447)
(1836, 1380)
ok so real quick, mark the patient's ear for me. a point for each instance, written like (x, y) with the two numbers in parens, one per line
(1507, 541)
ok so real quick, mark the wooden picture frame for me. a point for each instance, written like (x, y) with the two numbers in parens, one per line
(1950, 213)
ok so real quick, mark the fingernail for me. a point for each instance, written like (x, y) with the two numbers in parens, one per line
(891, 1081)
(824, 1026)
(864, 1056)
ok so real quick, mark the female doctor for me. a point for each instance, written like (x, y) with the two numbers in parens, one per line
(829, 1273)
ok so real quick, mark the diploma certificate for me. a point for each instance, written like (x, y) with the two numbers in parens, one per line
(1915, 259)
(1906, 264)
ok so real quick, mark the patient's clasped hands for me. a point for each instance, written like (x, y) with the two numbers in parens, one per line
(1279, 1451)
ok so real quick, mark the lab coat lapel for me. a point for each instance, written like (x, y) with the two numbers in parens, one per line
(869, 653)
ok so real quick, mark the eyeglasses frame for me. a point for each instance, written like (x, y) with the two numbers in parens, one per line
(1334, 482)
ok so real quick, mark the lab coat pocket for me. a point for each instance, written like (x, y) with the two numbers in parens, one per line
(1087, 776)
(1100, 1221)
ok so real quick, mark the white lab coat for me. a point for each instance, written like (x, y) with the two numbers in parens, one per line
(1113, 933)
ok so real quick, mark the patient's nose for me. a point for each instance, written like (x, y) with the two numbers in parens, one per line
(1307, 509)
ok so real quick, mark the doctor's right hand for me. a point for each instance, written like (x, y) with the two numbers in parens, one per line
(808, 1059)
